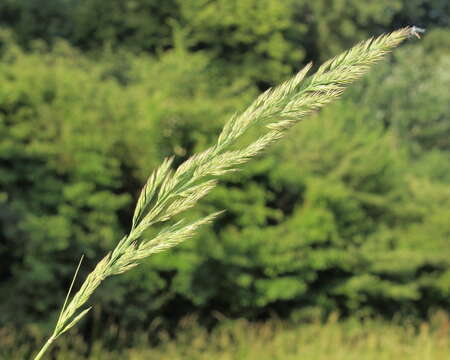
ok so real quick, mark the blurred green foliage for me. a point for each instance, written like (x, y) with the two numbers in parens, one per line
(350, 213)
(264, 40)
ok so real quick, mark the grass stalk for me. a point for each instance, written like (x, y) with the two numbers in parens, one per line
(169, 192)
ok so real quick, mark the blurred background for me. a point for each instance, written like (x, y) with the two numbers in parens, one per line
(341, 231)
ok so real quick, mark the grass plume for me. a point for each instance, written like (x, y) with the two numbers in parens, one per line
(169, 192)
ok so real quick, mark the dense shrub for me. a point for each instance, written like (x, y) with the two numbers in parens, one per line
(350, 213)
(75, 147)
(332, 219)
(237, 34)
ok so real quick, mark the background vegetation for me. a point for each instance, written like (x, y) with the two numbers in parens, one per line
(349, 214)
(348, 339)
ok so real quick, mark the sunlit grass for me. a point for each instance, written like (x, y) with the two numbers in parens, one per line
(336, 340)
(333, 340)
